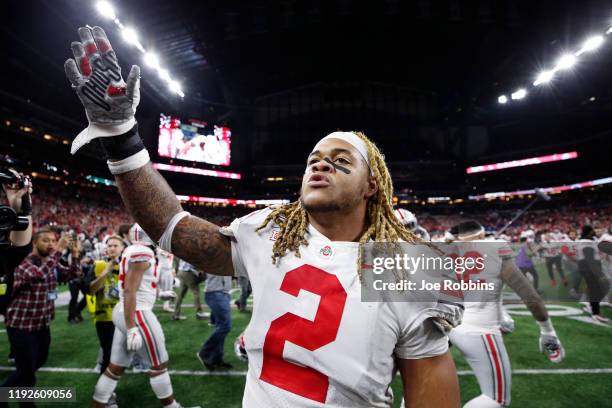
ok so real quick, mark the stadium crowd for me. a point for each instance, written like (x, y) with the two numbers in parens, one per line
(74, 231)
(91, 210)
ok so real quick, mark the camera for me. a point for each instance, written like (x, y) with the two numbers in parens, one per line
(9, 220)
(13, 179)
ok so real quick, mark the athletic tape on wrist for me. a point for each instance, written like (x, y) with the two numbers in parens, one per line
(130, 163)
(123, 145)
(165, 241)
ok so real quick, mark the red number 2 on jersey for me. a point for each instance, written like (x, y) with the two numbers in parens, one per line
(304, 381)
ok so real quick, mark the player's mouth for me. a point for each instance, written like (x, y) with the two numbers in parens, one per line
(318, 180)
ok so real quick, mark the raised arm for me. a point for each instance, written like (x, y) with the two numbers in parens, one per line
(110, 104)
(430, 382)
(152, 203)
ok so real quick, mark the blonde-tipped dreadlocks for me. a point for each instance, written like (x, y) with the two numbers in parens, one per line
(381, 222)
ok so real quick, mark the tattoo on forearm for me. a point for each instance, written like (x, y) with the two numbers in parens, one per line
(201, 243)
(149, 199)
(152, 203)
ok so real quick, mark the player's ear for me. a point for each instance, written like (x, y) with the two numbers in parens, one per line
(372, 188)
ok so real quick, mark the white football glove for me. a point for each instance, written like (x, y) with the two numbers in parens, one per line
(506, 325)
(167, 295)
(134, 339)
(110, 103)
(552, 347)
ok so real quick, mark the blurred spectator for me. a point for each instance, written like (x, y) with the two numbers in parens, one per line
(190, 279)
(245, 292)
(32, 307)
(218, 300)
(524, 262)
(102, 283)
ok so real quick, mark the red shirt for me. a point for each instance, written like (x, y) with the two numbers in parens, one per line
(31, 307)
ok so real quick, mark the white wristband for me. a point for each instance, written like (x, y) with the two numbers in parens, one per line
(135, 161)
(165, 241)
(546, 327)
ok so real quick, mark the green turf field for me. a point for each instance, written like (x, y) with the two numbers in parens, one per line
(587, 346)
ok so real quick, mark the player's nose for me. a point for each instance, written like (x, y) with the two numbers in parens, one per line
(322, 166)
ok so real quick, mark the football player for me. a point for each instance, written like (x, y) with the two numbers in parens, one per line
(311, 341)
(478, 337)
(165, 262)
(409, 220)
(137, 330)
(551, 251)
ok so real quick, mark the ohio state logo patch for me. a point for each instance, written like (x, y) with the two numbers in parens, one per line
(326, 251)
(274, 235)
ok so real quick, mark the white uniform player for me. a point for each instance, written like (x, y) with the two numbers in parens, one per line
(316, 343)
(154, 345)
(146, 338)
(165, 268)
(409, 220)
(479, 337)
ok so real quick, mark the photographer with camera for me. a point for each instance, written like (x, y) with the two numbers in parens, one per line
(18, 244)
(32, 306)
(102, 283)
(15, 230)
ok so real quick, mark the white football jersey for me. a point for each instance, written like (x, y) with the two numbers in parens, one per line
(484, 315)
(550, 249)
(165, 269)
(147, 291)
(569, 248)
(311, 341)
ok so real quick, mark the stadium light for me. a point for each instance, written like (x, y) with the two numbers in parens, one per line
(176, 88)
(129, 35)
(566, 62)
(544, 77)
(163, 74)
(519, 94)
(503, 99)
(591, 44)
(609, 31)
(151, 60)
(106, 9)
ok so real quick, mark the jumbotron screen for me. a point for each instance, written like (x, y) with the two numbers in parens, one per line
(194, 140)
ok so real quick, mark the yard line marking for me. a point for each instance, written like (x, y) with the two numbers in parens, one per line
(524, 371)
